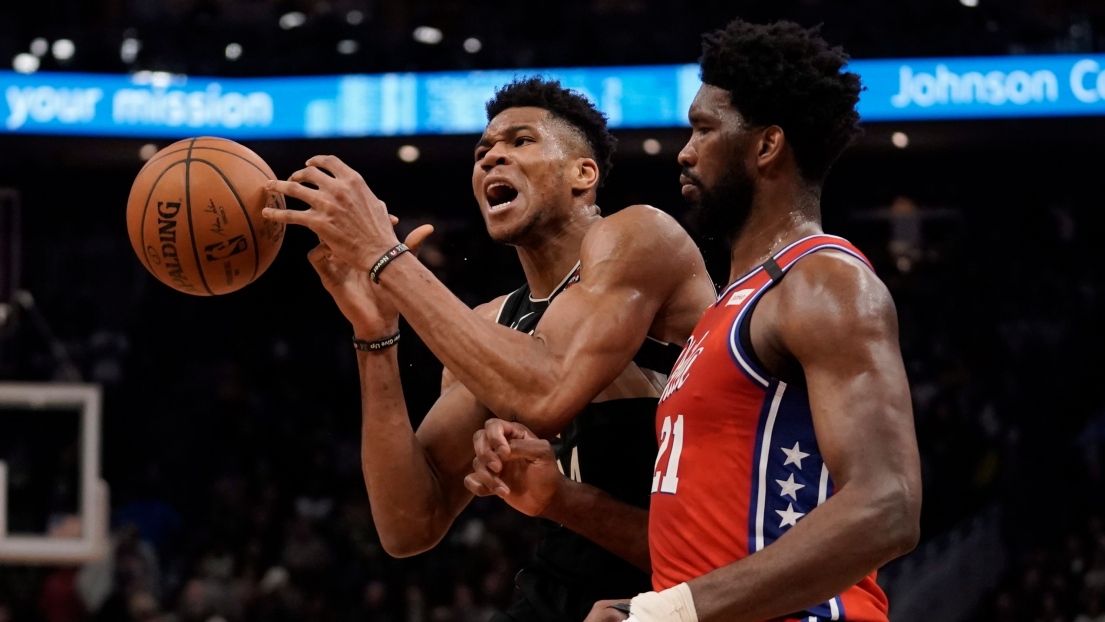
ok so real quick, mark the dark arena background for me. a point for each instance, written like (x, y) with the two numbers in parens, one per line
(230, 425)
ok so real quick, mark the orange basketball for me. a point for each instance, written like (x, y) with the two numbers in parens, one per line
(194, 216)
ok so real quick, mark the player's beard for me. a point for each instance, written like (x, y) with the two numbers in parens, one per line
(723, 209)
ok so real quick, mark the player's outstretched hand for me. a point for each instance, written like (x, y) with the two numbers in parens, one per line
(366, 307)
(344, 212)
(513, 463)
(602, 612)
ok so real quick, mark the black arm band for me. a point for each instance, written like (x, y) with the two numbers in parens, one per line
(622, 607)
(382, 262)
(375, 346)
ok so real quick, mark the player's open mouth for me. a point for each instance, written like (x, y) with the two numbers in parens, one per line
(500, 195)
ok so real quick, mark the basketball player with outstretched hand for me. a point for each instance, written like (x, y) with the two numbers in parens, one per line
(581, 350)
(788, 469)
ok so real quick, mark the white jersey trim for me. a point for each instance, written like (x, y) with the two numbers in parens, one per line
(556, 289)
(765, 452)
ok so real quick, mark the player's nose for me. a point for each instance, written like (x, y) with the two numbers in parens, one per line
(688, 157)
(494, 156)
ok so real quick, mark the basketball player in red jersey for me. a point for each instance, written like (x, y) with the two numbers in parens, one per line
(580, 352)
(788, 469)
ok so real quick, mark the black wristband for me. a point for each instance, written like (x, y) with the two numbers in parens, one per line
(376, 346)
(382, 262)
(622, 607)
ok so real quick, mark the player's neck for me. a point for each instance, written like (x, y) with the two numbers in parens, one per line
(549, 255)
(779, 216)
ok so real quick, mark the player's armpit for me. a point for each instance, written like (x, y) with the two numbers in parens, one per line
(837, 319)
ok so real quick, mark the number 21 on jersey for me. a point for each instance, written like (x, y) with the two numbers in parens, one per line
(667, 480)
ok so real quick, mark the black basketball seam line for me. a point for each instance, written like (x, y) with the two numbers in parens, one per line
(145, 209)
(241, 204)
(189, 150)
(191, 225)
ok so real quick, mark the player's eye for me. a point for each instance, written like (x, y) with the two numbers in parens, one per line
(521, 140)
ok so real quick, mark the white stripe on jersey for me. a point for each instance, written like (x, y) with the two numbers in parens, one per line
(765, 451)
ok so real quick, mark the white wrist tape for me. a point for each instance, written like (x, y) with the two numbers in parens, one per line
(672, 605)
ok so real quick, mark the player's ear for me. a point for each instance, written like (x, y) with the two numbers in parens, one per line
(585, 175)
(770, 146)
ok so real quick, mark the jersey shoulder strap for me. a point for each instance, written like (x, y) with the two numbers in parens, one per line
(512, 306)
(784, 260)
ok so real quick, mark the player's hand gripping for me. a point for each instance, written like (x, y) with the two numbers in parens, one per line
(602, 612)
(344, 213)
(365, 306)
(513, 463)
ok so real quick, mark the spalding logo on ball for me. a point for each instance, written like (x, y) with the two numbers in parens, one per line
(194, 216)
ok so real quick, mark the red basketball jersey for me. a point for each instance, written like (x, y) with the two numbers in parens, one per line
(739, 463)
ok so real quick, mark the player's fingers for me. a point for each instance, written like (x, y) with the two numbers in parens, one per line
(292, 189)
(485, 452)
(517, 430)
(311, 175)
(417, 237)
(393, 219)
(498, 436)
(333, 164)
(318, 255)
(531, 449)
(289, 216)
(476, 487)
(481, 478)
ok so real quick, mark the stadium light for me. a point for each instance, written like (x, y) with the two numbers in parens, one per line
(233, 51)
(354, 18)
(472, 45)
(428, 35)
(128, 51)
(294, 19)
(348, 46)
(651, 146)
(63, 49)
(39, 47)
(900, 140)
(969, 3)
(25, 63)
(408, 153)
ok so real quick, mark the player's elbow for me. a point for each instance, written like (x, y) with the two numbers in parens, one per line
(895, 518)
(407, 541)
(407, 532)
(546, 416)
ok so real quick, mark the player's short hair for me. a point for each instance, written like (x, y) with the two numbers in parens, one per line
(566, 105)
(783, 74)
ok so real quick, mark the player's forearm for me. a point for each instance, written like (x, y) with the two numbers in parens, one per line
(511, 372)
(406, 497)
(832, 549)
(614, 525)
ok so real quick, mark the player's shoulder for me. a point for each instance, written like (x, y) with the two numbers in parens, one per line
(831, 289)
(490, 309)
(638, 230)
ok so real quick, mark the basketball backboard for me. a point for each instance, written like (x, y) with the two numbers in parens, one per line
(45, 413)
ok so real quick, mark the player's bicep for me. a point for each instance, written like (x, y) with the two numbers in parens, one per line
(589, 323)
(596, 326)
(446, 437)
(845, 336)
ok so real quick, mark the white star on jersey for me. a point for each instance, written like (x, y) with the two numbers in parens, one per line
(790, 487)
(794, 456)
(790, 517)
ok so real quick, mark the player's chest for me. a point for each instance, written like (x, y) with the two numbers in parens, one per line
(706, 382)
